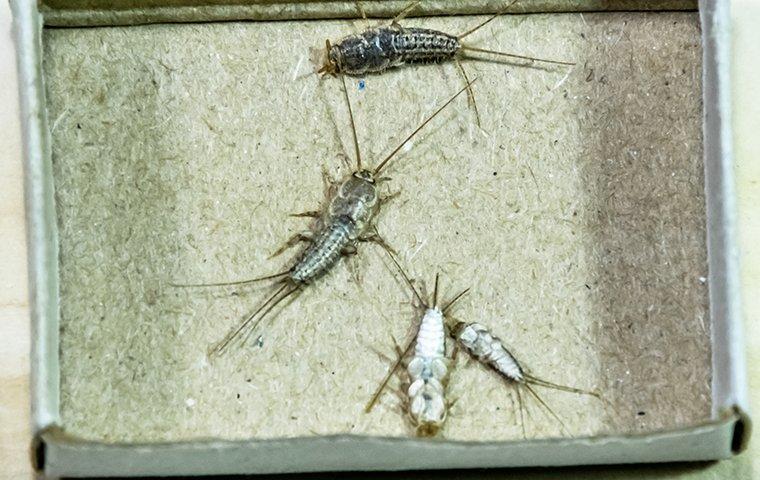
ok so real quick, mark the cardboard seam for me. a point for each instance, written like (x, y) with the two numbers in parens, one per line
(324, 10)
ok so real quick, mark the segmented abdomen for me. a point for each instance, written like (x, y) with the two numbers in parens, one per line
(378, 49)
(428, 373)
(324, 251)
(488, 349)
(431, 337)
(420, 45)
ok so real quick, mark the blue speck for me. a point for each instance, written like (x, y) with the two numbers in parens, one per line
(361, 85)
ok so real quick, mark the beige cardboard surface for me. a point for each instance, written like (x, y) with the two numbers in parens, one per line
(576, 215)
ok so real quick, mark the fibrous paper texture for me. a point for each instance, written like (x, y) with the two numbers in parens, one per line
(575, 214)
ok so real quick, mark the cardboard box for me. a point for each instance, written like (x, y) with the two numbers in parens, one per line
(136, 138)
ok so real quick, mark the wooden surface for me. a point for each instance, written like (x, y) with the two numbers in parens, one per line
(14, 306)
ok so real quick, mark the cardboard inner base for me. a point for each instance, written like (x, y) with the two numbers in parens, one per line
(576, 214)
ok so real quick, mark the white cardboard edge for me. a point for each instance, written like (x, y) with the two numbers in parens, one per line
(42, 232)
(77, 458)
(729, 378)
(352, 453)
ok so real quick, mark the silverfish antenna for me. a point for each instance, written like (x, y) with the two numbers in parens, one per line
(353, 125)
(395, 151)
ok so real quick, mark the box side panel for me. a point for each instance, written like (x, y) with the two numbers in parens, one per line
(134, 12)
(42, 232)
(344, 453)
(729, 376)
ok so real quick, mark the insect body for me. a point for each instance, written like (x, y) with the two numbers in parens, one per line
(489, 350)
(381, 48)
(428, 372)
(479, 342)
(428, 368)
(343, 224)
(378, 49)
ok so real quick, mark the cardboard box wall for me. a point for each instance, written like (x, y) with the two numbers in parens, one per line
(65, 454)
